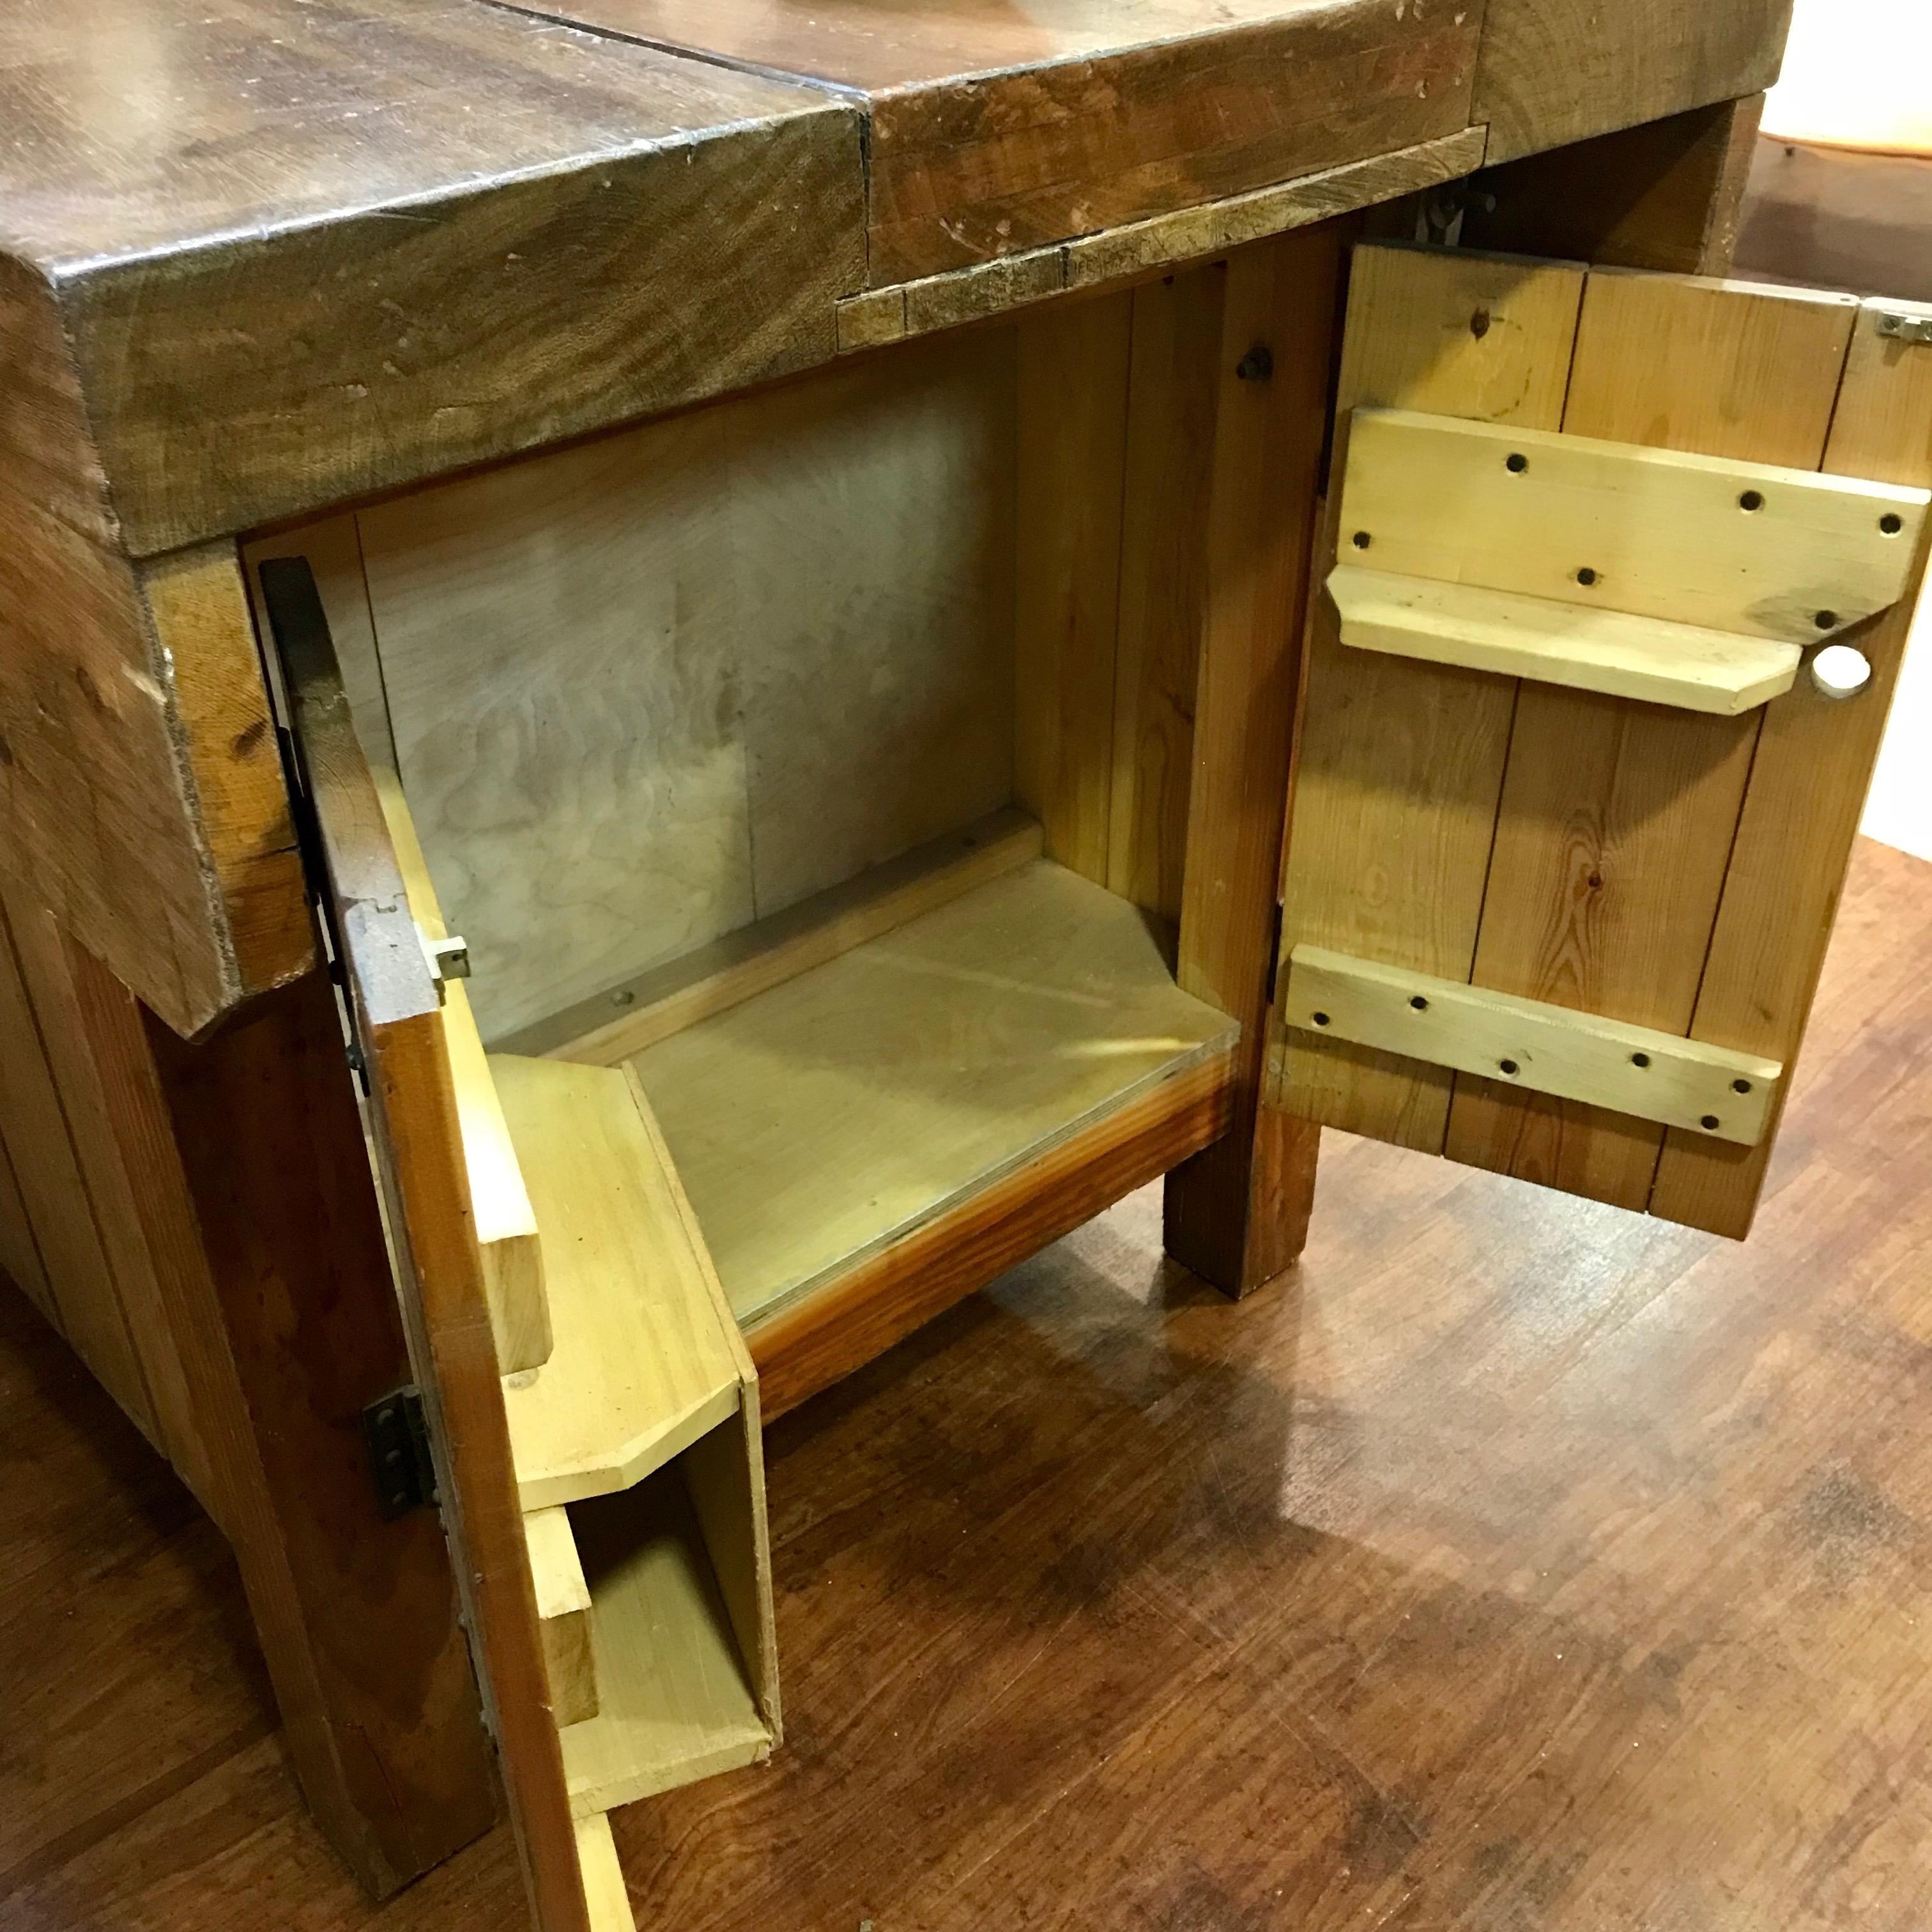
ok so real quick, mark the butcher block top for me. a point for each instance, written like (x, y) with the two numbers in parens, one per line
(258, 256)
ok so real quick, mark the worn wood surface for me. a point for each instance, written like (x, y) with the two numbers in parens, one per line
(1618, 821)
(1392, 823)
(1666, 194)
(411, 195)
(1521, 1564)
(993, 129)
(1555, 71)
(1235, 1213)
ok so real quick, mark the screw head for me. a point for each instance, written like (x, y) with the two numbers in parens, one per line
(1257, 365)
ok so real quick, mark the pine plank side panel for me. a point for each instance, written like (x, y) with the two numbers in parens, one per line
(43, 955)
(1800, 814)
(1617, 818)
(1555, 71)
(1074, 367)
(1236, 1214)
(1175, 383)
(60, 1210)
(1401, 764)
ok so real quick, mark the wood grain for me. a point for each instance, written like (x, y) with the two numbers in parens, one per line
(1617, 819)
(993, 129)
(1099, 1569)
(1174, 382)
(415, 1137)
(470, 175)
(1555, 71)
(1139, 249)
(1808, 785)
(677, 645)
(805, 1349)
(1232, 1214)
(830, 1118)
(1666, 194)
(1074, 368)
(1400, 765)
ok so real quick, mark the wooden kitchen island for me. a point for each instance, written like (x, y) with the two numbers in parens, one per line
(653, 659)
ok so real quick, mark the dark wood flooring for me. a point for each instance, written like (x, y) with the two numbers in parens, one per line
(1515, 1564)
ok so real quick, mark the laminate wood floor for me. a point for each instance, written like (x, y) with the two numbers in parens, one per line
(1515, 1564)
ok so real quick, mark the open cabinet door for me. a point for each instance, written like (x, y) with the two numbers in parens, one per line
(1620, 568)
(396, 1022)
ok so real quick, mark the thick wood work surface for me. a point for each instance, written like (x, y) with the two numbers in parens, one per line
(261, 258)
(1519, 1564)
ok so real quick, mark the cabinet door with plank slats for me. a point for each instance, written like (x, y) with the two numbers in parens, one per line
(1585, 742)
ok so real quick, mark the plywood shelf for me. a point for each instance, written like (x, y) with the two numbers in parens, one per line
(676, 1700)
(836, 1114)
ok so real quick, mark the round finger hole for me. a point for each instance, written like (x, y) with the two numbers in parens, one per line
(1507, 1065)
(1751, 501)
(1892, 523)
(1710, 1123)
(1640, 1059)
(1840, 670)
(1516, 463)
(1362, 540)
(1320, 1019)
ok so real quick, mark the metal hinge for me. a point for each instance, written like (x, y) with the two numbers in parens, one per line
(396, 1431)
(449, 959)
(1905, 328)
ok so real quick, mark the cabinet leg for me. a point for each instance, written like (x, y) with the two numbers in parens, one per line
(1237, 1213)
(246, 1158)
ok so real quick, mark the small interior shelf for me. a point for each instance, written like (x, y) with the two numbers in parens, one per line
(1616, 651)
(642, 1362)
(676, 1702)
(833, 1114)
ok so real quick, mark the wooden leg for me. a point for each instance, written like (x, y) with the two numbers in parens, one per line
(246, 1162)
(1667, 195)
(1237, 1214)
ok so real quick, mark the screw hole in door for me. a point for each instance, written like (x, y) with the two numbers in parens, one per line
(1361, 539)
(1752, 500)
(1892, 523)
(1586, 577)
(1508, 1066)
(1740, 1086)
(1517, 464)
(1420, 1005)
(1640, 1059)
(1710, 1123)
(1320, 1019)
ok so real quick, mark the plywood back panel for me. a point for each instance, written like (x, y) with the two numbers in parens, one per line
(645, 690)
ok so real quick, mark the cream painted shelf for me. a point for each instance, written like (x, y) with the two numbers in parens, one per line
(676, 1701)
(834, 1114)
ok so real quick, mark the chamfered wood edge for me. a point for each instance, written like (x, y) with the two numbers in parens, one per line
(813, 1343)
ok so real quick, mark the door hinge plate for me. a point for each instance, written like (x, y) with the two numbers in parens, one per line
(1905, 328)
(396, 1431)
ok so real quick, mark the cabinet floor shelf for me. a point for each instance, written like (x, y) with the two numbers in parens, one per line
(836, 1114)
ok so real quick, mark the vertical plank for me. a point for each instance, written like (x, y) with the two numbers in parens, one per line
(1617, 818)
(35, 1126)
(1800, 814)
(1236, 1212)
(1074, 364)
(19, 1255)
(1401, 763)
(246, 1159)
(42, 951)
(1174, 381)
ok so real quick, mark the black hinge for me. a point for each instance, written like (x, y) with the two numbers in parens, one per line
(396, 1431)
